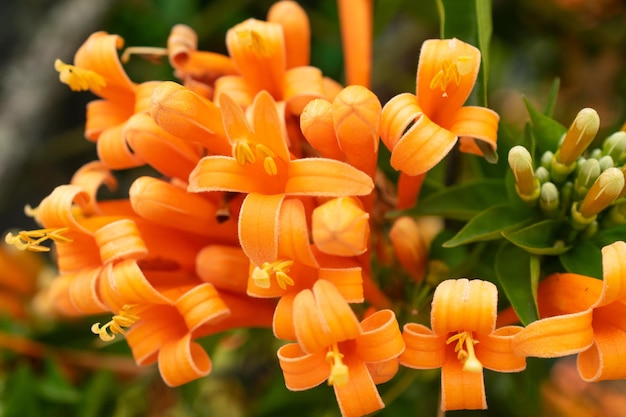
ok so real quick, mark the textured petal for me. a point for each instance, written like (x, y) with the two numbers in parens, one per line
(90, 177)
(495, 351)
(424, 349)
(283, 318)
(460, 390)
(476, 123)
(359, 395)
(555, 336)
(456, 64)
(103, 114)
(127, 284)
(226, 267)
(604, 360)
(296, 29)
(311, 330)
(268, 129)
(293, 241)
(113, 150)
(381, 339)
(302, 370)
(464, 305)
(302, 84)
(182, 361)
(120, 240)
(316, 123)
(614, 273)
(56, 210)
(235, 87)
(338, 316)
(326, 178)
(422, 147)
(259, 227)
(201, 305)
(396, 117)
(83, 291)
(349, 282)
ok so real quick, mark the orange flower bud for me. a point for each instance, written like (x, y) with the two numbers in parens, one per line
(409, 247)
(341, 227)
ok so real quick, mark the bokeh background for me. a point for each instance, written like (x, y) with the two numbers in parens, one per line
(580, 42)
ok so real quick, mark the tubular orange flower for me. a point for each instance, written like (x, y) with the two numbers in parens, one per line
(262, 167)
(582, 315)
(356, 37)
(462, 341)
(421, 129)
(341, 227)
(334, 346)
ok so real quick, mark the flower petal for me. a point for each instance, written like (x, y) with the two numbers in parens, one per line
(182, 361)
(380, 339)
(424, 349)
(464, 305)
(317, 126)
(120, 240)
(293, 242)
(296, 29)
(224, 266)
(302, 84)
(311, 330)
(259, 227)
(461, 390)
(103, 114)
(326, 178)
(302, 370)
(495, 351)
(614, 273)
(200, 305)
(359, 395)
(338, 316)
(283, 318)
(604, 360)
(476, 123)
(113, 150)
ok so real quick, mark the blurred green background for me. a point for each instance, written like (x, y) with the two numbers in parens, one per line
(581, 42)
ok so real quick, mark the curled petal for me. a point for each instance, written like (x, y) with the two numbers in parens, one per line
(461, 390)
(359, 395)
(56, 210)
(464, 305)
(495, 351)
(113, 150)
(201, 305)
(124, 283)
(476, 123)
(259, 227)
(384, 371)
(604, 359)
(424, 349)
(396, 116)
(381, 339)
(348, 280)
(338, 316)
(614, 273)
(311, 329)
(302, 84)
(103, 114)
(293, 241)
(282, 323)
(83, 291)
(182, 361)
(120, 240)
(302, 370)
(90, 177)
(555, 336)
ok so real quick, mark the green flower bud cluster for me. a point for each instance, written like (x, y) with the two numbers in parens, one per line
(585, 186)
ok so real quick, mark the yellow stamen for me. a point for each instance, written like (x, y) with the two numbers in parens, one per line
(451, 70)
(261, 276)
(31, 239)
(150, 52)
(269, 164)
(339, 373)
(466, 355)
(125, 318)
(242, 152)
(79, 79)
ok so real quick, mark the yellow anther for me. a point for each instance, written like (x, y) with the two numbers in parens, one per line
(31, 239)
(79, 79)
(339, 372)
(150, 52)
(466, 354)
(261, 275)
(125, 318)
(242, 152)
(269, 163)
(451, 71)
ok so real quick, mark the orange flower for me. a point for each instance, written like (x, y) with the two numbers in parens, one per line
(583, 315)
(421, 129)
(262, 167)
(334, 346)
(462, 341)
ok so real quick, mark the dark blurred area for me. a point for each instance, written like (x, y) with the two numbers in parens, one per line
(41, 121)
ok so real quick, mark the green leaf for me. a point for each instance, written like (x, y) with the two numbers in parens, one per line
(470, 21)
(451, 256)
(96, 394)
(554, 92)
(540, 238)
(463, 201)
(20, 400)
(55, 387)
(584, 258)
(488, 225)
(513, 269)
(547, 131)
(607, 236)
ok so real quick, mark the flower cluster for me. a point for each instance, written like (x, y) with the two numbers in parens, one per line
(268, 208)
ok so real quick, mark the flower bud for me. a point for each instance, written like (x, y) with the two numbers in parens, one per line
(546, 159)
(549, 199)
(521, 163)
(409, 247)
(587, 175)
(615, 146)
(603, 192)
(542, 174)
(341, 227)
(578, 137)
(606, 162)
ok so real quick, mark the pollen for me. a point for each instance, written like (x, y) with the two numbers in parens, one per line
(125, 318)
(79, 79)
(247, 152)
(31, 239)
(339, 372)
(465, 351)
(451, 71)
(279, 269)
